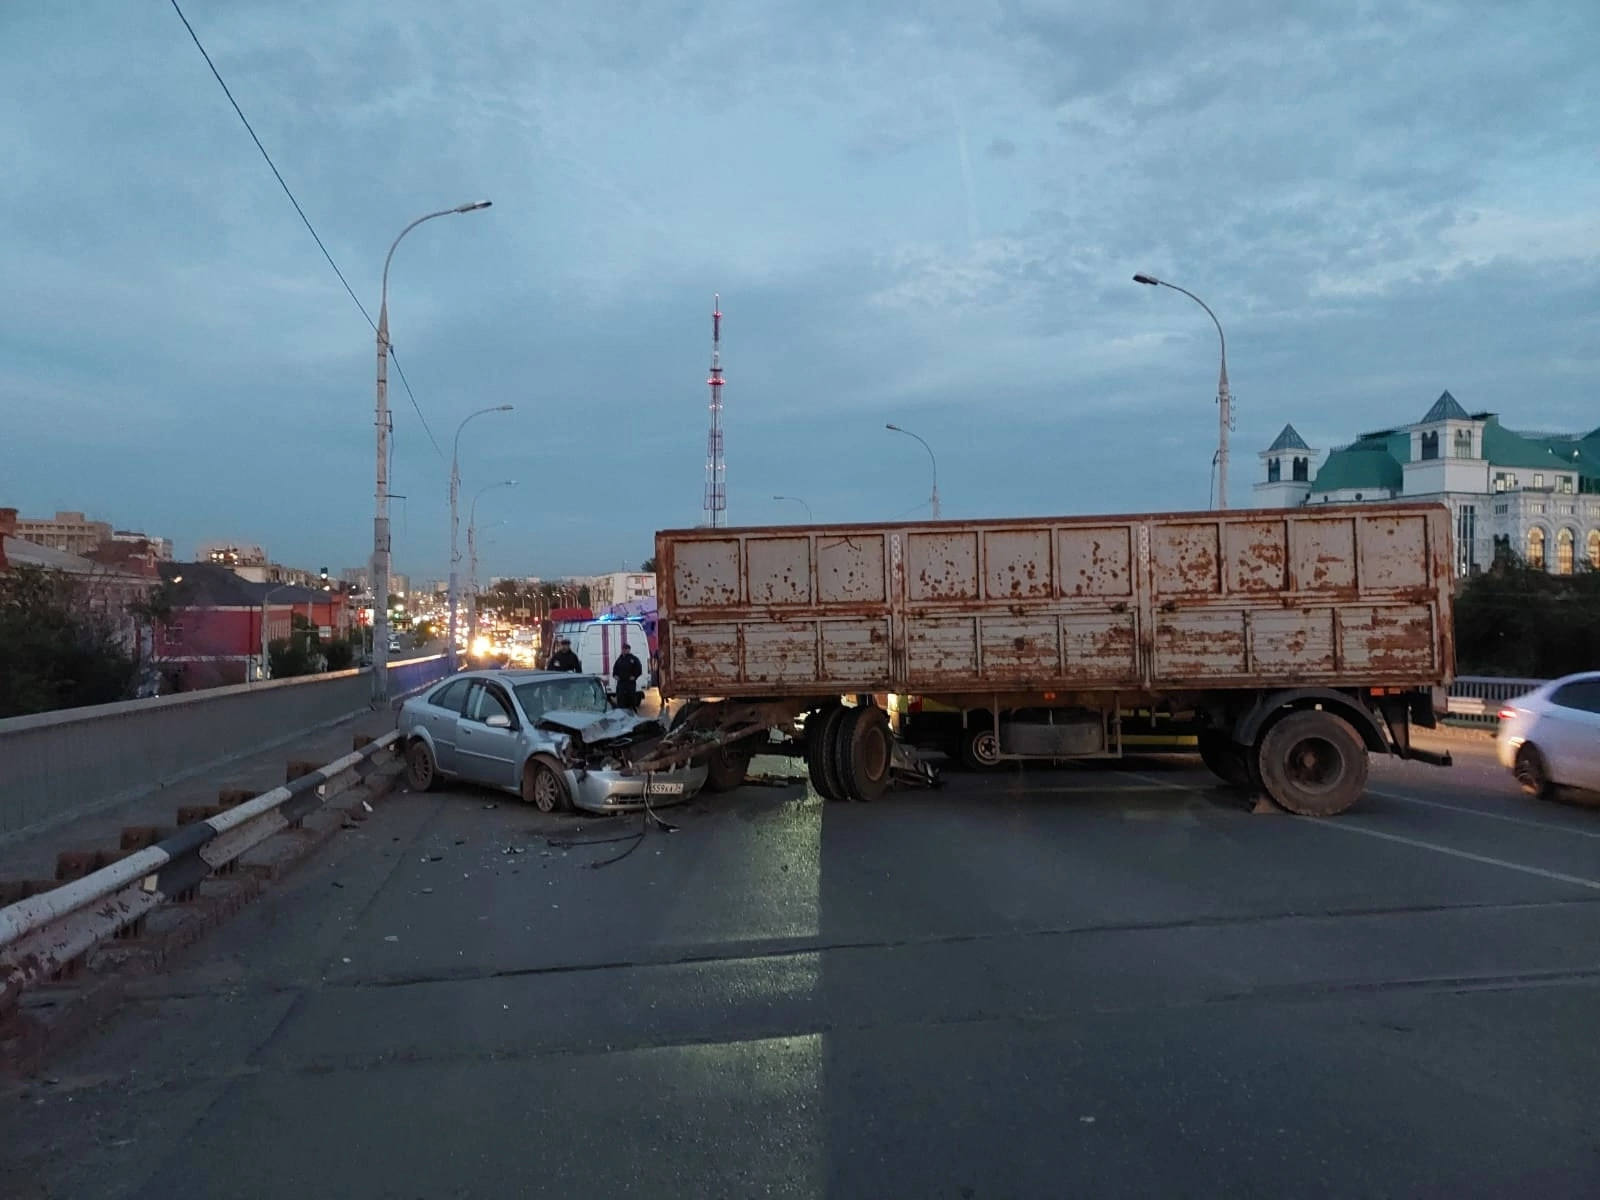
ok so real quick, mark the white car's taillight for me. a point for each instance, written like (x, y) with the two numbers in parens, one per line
(1507, 713)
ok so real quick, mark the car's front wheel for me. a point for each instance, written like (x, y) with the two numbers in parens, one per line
(544, 789)
(421, 771)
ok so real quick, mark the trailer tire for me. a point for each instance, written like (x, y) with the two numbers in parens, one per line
(1313, 763)
(836, 752)
(725, 769)
(867, 752)
(980, 745)
(1225, 758)
(820, 727)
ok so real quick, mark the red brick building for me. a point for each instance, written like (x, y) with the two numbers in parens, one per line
(214, 636)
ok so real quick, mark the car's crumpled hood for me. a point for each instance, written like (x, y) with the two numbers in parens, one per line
(593, 728)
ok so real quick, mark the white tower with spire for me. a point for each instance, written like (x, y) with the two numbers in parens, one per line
(1287, 465)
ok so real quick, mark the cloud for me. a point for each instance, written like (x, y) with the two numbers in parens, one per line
(1377, 201)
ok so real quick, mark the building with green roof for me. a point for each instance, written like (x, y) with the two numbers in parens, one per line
(1535, 493)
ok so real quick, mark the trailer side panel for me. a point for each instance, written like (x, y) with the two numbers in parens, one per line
(1337, 595)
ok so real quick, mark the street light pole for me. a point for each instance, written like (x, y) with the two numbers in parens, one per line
(455, 526)
(472, 556)
(801, 503)
(934, 499)
(1224, 401)
(380, 521)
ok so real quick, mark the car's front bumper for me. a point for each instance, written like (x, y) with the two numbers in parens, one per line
(613, 791)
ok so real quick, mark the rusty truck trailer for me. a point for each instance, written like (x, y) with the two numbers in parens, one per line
(1300, 638)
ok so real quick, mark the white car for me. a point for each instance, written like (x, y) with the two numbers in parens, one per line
(1550, 738)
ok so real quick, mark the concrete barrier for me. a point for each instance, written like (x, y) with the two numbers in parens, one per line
(61, 765)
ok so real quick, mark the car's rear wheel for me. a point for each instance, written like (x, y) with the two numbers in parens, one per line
(1533, 772)
(421, 771)
(544, 789)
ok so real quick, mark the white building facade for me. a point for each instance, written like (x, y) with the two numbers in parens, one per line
(1536, 494)
(619, 587)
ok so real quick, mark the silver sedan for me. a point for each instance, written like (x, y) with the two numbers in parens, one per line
(549, 736)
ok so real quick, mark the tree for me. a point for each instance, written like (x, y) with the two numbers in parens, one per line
(1521, 621)
(648, 566)
(298, 654)
(583, 596)
(55, 653)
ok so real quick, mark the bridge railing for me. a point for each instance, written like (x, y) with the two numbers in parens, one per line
(60, 765)
(1477, 698)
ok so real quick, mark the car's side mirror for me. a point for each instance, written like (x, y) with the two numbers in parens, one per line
(497, 721)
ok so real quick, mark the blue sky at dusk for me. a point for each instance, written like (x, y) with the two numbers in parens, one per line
(920, 213)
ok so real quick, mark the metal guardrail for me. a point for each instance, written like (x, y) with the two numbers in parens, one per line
(411, 676)
(1477, 698)
(45, 933)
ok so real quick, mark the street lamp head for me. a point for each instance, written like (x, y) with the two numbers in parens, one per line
(896, 428)
(474, 206)
(1151, 280)
(505, 408)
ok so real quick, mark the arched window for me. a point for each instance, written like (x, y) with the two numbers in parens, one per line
(1594, 549)
(1536, 548)
(1273, 470)
(1463, 443)
(1564, 546)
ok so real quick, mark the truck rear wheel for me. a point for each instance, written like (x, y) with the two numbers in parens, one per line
(867, 754)
(1313, 763)
(1225, 758)
(821, 727)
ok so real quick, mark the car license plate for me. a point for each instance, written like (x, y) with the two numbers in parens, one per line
(666, 789)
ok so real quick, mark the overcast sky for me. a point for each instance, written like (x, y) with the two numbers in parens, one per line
(923, 213)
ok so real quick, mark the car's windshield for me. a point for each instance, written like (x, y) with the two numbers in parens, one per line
(576, 693)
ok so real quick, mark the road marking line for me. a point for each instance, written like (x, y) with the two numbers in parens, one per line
(1472, 812)
(1344, 824)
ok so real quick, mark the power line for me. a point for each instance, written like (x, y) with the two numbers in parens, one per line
(311, 229)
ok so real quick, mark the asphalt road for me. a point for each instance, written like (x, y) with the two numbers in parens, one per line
(1076, 982)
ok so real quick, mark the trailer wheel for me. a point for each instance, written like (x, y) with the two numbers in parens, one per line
(867, 753)
(820, 728)
(1225, 758)
(980, 745)
(836, 753)
(725, 769)
(1313, 763)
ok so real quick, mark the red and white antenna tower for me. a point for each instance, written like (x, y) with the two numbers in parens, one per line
(716, 514)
